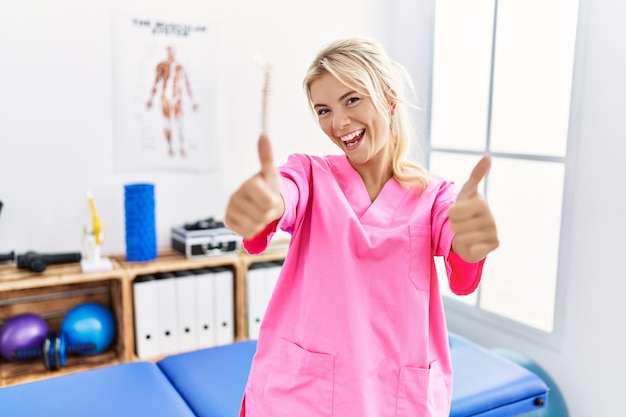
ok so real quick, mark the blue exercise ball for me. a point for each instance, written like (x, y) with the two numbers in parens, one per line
(89, 323)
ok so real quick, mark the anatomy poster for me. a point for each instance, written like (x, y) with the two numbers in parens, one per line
(164, 93)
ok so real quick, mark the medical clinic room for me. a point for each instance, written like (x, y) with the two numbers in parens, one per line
(271, 208)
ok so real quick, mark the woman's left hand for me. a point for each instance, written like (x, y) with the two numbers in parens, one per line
(471, 219)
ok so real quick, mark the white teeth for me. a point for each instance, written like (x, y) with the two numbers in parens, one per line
(351, 136)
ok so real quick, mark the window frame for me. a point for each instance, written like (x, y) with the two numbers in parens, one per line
(474, 311)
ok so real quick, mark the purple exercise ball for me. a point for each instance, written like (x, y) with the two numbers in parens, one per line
(22, 331)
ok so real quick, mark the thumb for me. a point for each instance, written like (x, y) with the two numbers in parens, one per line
(470, 188)
(266, 157)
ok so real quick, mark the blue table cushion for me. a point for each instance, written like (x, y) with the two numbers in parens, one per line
(131, 389)
(210, 383)
(488, 385)
(211, 380)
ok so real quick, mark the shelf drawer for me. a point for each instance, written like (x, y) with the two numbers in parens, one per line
(52, 303)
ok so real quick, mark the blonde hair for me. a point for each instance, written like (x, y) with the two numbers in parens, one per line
(362, 65)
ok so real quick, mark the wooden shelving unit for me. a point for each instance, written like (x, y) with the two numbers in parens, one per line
(60, 287)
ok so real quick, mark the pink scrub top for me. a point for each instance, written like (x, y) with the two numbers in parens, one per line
(355, 326)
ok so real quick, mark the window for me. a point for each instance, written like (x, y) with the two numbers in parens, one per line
(502, 76)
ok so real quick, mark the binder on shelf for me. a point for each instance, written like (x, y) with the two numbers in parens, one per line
(224, 297)
(255, 288)
(205, 308)
(186, 309)
(168, 313)
(261, 280)
(146, 311)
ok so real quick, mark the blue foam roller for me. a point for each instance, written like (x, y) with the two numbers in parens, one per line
(140, 225)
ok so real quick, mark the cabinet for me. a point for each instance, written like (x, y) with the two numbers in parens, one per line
(60, 287)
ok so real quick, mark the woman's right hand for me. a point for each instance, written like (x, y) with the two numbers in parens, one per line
(257, 202)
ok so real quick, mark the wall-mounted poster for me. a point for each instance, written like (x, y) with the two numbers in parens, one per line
(164, 93)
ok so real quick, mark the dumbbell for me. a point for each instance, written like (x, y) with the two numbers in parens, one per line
(6, 257)
(53, 351)
(38, 262)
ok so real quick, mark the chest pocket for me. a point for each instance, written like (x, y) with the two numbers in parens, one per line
(420, 256)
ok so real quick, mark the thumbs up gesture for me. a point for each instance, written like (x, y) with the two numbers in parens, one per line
(471, 219)
(257, 202)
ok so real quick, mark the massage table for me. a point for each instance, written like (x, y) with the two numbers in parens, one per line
(210, 383)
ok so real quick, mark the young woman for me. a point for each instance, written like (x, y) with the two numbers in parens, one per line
(356, 326)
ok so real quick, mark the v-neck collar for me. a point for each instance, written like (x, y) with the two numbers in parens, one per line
(375, 213)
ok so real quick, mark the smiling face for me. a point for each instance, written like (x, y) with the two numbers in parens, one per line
(351, 121)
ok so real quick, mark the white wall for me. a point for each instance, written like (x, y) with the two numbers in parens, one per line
(56, 109)
(56, 142)
(589, 366)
